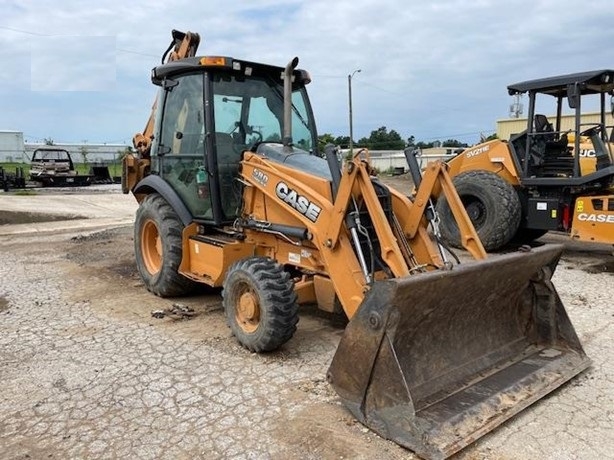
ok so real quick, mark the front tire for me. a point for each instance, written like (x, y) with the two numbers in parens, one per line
(260, 303)
(493, 207)
(158, 248)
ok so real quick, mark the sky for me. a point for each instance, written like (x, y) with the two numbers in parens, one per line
(77, 71)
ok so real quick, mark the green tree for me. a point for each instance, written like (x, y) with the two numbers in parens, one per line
(424, 145)
(48, 141)
(381, 139)
(342, 141)
(273, 138)
(84, 153)
(453, 143)
(492, 137)
(324, 139)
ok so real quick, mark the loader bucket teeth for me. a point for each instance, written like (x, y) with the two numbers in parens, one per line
(435, 361)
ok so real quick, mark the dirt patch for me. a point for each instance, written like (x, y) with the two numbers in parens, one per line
(4, 304)
(402, 183)
(12, 217)
(103, 265)
(330, 426)
(109, 249)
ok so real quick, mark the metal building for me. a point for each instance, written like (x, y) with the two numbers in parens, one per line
(508, 126)
(11, 146)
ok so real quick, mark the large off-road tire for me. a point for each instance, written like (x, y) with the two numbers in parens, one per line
(260, 303)
(493, 207)
(158, 248)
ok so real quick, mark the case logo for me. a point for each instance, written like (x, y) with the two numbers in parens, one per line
(302, 204)
(601, 218)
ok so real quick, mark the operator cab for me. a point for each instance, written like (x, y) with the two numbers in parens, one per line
(545, 151)
(212, 109)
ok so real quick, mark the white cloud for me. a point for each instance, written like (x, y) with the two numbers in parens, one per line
(73, 63)
(431, 69)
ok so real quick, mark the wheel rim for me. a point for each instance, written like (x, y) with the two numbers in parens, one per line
(247, 310)
(476, 211)
(151, 247)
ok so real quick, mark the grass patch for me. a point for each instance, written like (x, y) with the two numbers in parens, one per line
(25, 192)
(115, 169)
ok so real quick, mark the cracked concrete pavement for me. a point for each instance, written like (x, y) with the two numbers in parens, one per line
(86, 371)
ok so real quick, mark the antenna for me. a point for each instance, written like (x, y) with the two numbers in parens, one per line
(516, 107)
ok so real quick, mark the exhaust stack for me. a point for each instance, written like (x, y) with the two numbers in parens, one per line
(287, 76)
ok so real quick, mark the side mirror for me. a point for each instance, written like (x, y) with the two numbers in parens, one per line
(573, 95)
(168, 84)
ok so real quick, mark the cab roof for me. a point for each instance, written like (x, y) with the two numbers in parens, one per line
(223, 63)
(592, 82)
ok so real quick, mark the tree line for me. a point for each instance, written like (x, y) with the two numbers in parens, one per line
(382, 139)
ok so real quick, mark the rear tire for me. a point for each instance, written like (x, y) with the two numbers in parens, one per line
(260, 303)
(493, 207)
(158, 248)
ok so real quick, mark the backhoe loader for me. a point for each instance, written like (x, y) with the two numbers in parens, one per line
(234, 193)
(515, 191)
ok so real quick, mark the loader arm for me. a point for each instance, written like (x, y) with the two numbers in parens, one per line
(436, 180)
(356, 184)
(410, 248)
(401, 254)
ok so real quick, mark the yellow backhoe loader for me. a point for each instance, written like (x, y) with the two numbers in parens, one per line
(234, 193)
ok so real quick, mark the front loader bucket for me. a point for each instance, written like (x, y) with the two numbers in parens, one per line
(436, 360)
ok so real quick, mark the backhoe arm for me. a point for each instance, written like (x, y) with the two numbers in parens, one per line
(183, 45)
(136, 167)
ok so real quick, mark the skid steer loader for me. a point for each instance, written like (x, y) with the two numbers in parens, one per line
(544, 178)
(233, 193)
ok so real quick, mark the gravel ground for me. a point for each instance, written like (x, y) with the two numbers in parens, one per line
(87, 372)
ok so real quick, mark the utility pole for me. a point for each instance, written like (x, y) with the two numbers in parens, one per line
(350, 101)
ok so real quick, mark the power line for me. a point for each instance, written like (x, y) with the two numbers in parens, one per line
(362, 82)
(136, 52)
(25, 32)
(123, 50)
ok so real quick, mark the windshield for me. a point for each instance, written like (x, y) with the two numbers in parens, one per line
(251, 110)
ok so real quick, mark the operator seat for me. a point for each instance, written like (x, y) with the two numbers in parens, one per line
(555, 158)
(542, 125)
(223, 141)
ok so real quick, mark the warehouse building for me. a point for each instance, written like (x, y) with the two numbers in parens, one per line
(509, 126)
(11, 146)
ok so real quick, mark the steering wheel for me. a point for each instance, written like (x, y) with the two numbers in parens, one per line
(591, 131)
(254, 144)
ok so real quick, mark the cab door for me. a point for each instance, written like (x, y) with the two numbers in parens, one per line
(180, 155)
